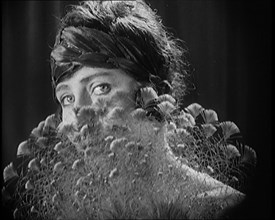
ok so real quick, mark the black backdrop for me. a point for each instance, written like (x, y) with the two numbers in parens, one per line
(230, 49)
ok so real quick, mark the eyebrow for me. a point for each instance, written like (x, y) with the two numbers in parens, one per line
(84, 80)
(61, 87)
(89, 78)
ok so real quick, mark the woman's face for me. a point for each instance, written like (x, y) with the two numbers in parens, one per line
(90, 86)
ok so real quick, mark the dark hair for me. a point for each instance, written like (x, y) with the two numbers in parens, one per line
(122, 34)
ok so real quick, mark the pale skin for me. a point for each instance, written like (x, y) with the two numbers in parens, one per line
(88, 86)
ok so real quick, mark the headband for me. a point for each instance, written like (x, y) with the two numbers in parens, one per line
(78, 46)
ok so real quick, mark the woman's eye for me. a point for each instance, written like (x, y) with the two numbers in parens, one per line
(102, 89)
(67, 100)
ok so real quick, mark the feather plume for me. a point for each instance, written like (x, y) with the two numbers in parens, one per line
(37, 132)
(51, 122)
(116, 113)
(194, 109)
(28, 185)
(232, 151)
(148, 94)
(248, 156)
(166, 107)
(129, 165)
(139, 114)
(9, 172)
(210, 116)
(166, 97)
(33, 165)
(229, 128)
(58, 167)
(209, 129)
(23, 149)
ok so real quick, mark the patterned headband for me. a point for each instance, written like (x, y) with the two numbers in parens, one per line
(78, 46)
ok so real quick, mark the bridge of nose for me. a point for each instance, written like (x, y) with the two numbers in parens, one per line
(82, 98)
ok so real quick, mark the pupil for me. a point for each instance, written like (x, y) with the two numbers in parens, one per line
(69, 98)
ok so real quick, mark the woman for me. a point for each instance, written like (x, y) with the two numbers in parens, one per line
(120, 146)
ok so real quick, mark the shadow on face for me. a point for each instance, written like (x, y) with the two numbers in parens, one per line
(96, 88)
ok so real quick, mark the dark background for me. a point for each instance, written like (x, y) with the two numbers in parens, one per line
(230, 49)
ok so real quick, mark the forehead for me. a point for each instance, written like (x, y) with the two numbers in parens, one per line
(87, 74)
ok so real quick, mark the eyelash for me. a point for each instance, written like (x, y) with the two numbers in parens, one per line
(64, 98)
(102, 85)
